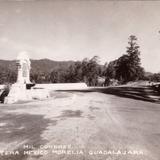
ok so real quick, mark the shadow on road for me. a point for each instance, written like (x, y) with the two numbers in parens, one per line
(71, 114)
(139, 93)
(22, 128)
(144, 93)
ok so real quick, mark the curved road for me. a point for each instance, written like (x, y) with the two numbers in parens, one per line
(82, 126)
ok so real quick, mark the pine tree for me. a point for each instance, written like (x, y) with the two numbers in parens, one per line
(128, 66)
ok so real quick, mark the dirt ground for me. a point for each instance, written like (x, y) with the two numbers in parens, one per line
(113, 124)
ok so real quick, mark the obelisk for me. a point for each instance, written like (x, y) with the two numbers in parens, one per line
(24, 66)
(18, 91)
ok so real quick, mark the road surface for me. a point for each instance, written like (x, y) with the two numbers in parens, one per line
(82, 126)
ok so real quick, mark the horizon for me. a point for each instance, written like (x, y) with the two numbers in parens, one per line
(64, 61)
(74, 30)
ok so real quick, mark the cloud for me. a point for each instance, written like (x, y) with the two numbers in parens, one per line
(18, 10)
(4, 39)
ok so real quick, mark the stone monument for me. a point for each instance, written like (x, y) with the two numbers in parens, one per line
(18, 90)
(23, 65)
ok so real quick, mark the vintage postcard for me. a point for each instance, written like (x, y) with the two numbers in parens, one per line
(79, 80)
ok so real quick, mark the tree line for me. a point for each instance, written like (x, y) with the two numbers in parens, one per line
(124, 69)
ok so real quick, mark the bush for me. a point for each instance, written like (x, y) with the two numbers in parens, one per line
(4, 93)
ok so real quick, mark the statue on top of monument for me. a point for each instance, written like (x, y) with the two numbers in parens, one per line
(24, 66)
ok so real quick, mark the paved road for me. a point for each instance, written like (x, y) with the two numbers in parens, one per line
(81, 126)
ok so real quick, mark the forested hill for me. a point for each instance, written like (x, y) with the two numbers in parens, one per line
(42, 65)
(49, 71)
(47, 65)
(39, 69)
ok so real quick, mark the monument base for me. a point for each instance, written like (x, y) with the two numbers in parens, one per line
(18, 92)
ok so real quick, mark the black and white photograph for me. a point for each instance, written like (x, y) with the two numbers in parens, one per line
(79, 80)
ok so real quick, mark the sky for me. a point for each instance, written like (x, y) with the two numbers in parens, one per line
(75, 29)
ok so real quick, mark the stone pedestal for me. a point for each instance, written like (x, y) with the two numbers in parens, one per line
(17, 92)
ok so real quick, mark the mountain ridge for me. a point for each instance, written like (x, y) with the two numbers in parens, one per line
(41, 65)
